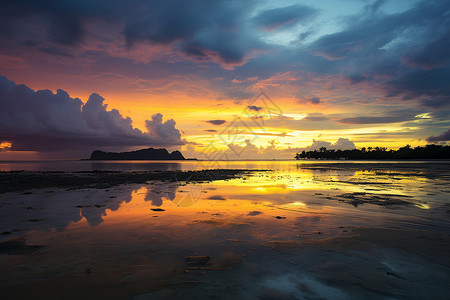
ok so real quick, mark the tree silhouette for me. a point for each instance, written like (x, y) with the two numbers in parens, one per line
(430, 151)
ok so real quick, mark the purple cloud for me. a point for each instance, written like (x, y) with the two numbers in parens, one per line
(254, 107)
(216, 122)
(445, 136)
(44, 121)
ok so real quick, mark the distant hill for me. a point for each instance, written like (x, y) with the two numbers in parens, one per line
(143, 154)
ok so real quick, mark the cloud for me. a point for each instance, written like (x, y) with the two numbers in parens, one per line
(343, 144)
(254, 213)
(45, 121)
(214, 31)
(209, 31)
(272, 150)
(428, 85)
(254, 107)
(430, 56)
(438, 102)
(56, 51)
(63, 24)
(314, 100)
(277, 18)
(379, 53)
(375, 120)
(397, 50)
(445, 136)
(244, 150)
(316, 117)
(216, 197)
(235, 94)
(301, 99)
(340, 144)
(364, 35)
(403, 52)
(216, 122)
(166, 131)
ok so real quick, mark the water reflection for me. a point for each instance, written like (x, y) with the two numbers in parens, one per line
(303, 189)
(156, 192)
(134, 166)
(86, 165)
(56, 209)
(288, 166)
(296, 226)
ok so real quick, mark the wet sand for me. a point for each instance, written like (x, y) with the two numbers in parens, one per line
(13, 181)
(336, 233)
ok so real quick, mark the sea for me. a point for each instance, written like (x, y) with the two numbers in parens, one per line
(286, 230)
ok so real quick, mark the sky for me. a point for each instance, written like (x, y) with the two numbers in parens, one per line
(221, 79)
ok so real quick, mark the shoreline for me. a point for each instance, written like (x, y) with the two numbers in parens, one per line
(22, 181)
(333, 231)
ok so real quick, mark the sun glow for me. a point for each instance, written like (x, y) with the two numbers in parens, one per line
(5, 145)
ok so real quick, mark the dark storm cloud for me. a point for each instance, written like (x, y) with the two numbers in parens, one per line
(64, 20)
(44, 121)
(226, 47)
(437, 102)
(275, 18)
(445, 136)
(406, 52)
(204, 30)
(433, 55)
(431, 85)
(216, 122)
(201, 29)
(368, 33)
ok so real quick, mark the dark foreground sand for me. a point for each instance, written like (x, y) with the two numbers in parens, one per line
(320, 232)
(371, 263)
(23, 181)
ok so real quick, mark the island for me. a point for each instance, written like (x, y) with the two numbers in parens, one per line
(430, 151)
(143, 154)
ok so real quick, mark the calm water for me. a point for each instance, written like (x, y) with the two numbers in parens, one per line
(304, 230)
(123, 165)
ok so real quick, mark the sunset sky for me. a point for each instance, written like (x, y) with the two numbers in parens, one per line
(237, 79)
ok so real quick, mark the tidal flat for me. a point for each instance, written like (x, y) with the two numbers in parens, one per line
(256, 230)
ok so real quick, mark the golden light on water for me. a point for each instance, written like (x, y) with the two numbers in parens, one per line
(296, 215)
(265, 195)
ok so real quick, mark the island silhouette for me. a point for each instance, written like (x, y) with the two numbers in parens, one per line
(143, 154)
